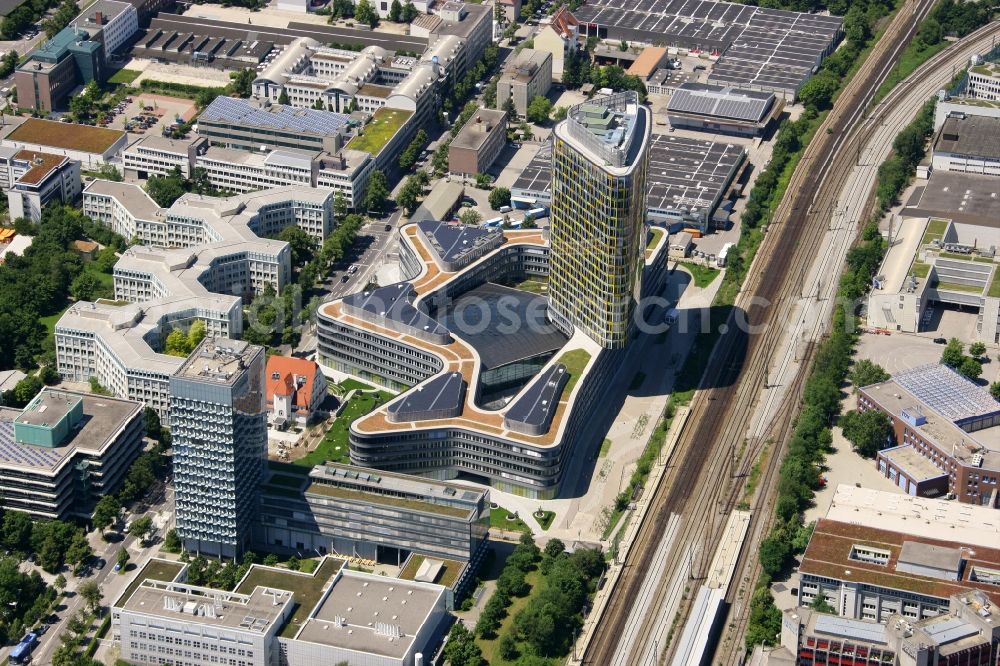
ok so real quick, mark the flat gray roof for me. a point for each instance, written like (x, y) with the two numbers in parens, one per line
(962, 197)
(479, 128)
(453, 241)
(441, 396)
(689, 173)
(537, 405)
(102, 418)
(220, 360)
(971, 136)
(371, 611)
(929, 555)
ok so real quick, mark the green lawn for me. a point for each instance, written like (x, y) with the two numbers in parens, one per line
(124, 76)
(703, 275)
(575, 361)
(605, 448)
(383, 125)
(534, 285)
(156, 570)
(994, 290)
(954, 286)
(965, 257)
(935, 230)
(447, 576)
(334, 445)
(305, 588)
(498, 519)
(655, 233)
(50, 321)
(920, 269)
(915, 54)
(545, 519)
(352, 384)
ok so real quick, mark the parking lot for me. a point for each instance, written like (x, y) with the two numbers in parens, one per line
(149, 114)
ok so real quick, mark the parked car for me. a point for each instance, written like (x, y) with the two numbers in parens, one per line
(940, 341)
(101, 563)
(388, 227)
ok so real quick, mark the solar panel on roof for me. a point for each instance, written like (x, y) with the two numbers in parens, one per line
(228, 109)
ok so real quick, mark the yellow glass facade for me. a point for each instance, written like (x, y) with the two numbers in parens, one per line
(597, 238)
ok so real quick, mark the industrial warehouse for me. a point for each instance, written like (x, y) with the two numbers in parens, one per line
(758, 48)
(687, 180)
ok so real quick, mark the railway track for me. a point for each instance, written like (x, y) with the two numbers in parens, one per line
(701, 485)
(874, 137)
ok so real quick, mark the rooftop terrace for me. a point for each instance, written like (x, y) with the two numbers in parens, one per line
(384, 124)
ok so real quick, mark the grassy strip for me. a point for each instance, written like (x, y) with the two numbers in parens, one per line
(498, 519)
(703, 275)
(811, 439)
(124, 76)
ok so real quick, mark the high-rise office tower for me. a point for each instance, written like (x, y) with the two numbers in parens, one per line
(219, 428)
(597, 234)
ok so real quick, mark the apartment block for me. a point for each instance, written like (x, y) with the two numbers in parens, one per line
(479, 143)
(528, 77)
(158, 156)
(219, 429)
(277, 617)
(65, 450)
(35, 179)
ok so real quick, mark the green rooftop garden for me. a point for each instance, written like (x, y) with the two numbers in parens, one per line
(920, 269)
(994, 290)
(447, 577)
(935, 230)
(384, 124)
(655, 234)
(160, 570)
(341, 492)
(575, 361)
(334, 445)
(306, 589)
(954, 286)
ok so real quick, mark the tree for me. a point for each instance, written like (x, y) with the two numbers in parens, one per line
(995, 390)
(409, 156)
(171, 542)
(377, 190)
(772, 554)
(302, 244)
(818, 92)
(470, 217)
(195, 334)
(271, 560)
(49, 375)
(408, 195)
(977, 349)
(821, 605)
(86, 287)
(953, 353)
(16, 532)
(508, 646)
(293, 563)
(242, 82)
(970, 368)
(395, 11)
(930, 32)
(365, 13)
(555, 548)
(122, 559)
(165, 190)
(539, 109)
(106, 512)
(141, 528)
(499, 197)
(867, 431)
(461, 648)
(177, 344)
(409, 12)
(866, 373)
(91, 594)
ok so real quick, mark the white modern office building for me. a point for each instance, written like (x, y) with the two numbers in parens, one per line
(277, 617)
(219, 429)
(218, 256)
(345, 171)
(32, 179)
